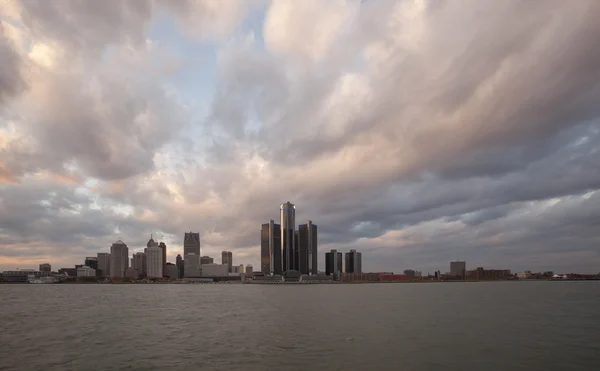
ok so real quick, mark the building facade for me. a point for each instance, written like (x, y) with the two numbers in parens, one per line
(307, 248)
(215, 270)
(353, 262)
(163, 248)
(227, 259)
(171, 271)
(103, 264)
(180, 267)
(119, 259)
(270, 249)
(86, 271)
(249, 269)
(191, 263)
(287, 213)
(206, 260)
(458, 268)
(139, 262)
(46, 267)
(333, 263)
(154, 262)
(191, 243)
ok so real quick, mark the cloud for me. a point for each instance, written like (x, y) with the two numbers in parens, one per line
(391, 125)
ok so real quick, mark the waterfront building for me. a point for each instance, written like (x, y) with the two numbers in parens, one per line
(206, 260)
(270, 249)
(180, 267)
(227, 259)
(458, 268)
(171, 271)
(119, 259)
(191, 264)
(307, 248)
(249, 270)
(191, 243)
(139, 262)
(86, 271)
(154, 259)
(132, 273)
(103, 264)
(287, 215)
(353, 262)
(45, 267)
(91, 262)
(163, 248)
(215, 270)
(333, 263)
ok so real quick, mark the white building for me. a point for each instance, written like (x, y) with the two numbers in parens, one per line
(191, 265)
(85, 271)
(154, 262)
(214, 270)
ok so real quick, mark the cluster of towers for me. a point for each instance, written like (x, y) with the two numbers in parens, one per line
(285, 248)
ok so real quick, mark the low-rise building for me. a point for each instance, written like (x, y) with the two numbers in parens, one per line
(215, 270)
(85, 271)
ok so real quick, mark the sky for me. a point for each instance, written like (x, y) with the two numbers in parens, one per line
(417, 132)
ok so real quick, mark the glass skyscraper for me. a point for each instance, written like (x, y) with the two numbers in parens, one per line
(288, 240)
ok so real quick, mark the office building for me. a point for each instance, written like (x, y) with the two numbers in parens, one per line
(103, 264)
(132, 273)
(333, 263)
(458, 268)
(180, 267)
(287, 215)
(191, 244)
(191, 264)
(139, 263)
(353, 261)
(45, 267)
(227, 259)
(307, 248)
(249, 270)
(91, 262)
(119, 259)
(206, 260)
(154, 262)
(171, 271)
(86, 271)
(270, 249)
(163, 248)
(215, 270)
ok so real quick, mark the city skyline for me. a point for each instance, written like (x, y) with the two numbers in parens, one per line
(401, 133)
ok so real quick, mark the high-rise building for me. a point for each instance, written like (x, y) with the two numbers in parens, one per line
(139, 262)
(191, 244)
(227, 259)
(270, 249)
(353, 262)
(154, 263)
(191, 264)
(163, 248)
(333, 263)
(91, 262)
(287, 213)
(103, 264)
(307, 248)
(206, 260)
(458, 268)
(180, 265)
(119, 259)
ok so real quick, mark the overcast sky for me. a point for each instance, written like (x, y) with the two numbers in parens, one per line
(416, 132)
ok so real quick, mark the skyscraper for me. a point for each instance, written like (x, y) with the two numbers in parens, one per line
(191, 244)
(180, 266)
(288, 226)
(103, 264)
(163, 248)
(333, 263)
(119, 259)
(353, 262)
(191, 264)
(270, 248)
(307, 247)
(227, 259)
(154, 265)
(139, 262)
